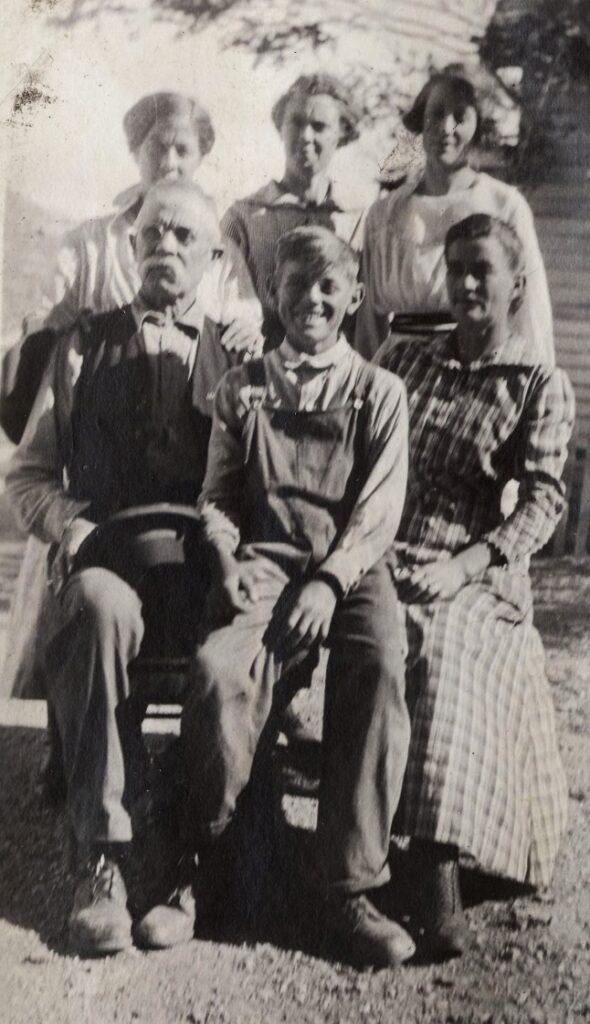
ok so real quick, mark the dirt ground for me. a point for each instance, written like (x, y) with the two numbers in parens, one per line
(530, 957)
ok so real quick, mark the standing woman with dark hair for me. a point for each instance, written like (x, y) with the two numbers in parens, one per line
(314, 117)
(403, 249)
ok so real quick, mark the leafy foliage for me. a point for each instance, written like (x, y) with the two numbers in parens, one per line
(550, 40)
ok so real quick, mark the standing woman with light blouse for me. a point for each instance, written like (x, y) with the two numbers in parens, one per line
(168, 136)
(403, 249)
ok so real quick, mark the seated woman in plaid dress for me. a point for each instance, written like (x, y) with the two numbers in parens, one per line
(484, 776)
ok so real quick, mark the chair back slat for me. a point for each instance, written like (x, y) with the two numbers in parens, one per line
(572, 532)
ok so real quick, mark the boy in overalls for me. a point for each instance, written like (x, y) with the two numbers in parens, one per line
(303, 493)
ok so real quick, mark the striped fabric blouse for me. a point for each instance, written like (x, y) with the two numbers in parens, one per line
(473, 428)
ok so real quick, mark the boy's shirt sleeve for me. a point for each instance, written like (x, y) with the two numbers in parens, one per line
(219, 502)
(376, 515)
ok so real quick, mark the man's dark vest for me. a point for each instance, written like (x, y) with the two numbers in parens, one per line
(137, 436)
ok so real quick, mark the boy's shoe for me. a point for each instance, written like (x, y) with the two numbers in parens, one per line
(445, 928)
(170, 920)
(365, 936)
(99, 922)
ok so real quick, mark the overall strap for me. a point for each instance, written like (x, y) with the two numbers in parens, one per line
(256, 373)
(365, 382)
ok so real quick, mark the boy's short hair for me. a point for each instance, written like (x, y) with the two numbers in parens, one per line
(317, 248)
(483, 225)
(323, 85)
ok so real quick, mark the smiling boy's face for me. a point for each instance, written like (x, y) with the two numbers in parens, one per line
(481, 284)
(312, 304)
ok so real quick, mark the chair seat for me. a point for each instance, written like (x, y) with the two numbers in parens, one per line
(159, 680)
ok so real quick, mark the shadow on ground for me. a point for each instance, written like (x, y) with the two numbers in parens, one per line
(34, 850)
(266, 894)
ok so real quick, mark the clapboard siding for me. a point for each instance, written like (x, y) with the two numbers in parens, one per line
(562, 215)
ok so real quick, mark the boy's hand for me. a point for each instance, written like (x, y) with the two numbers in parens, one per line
(73, 536)
(243, 336)
(236, 589)
(309, 618)
(435, 581)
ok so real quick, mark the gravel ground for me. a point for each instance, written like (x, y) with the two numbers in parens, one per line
(529, 961)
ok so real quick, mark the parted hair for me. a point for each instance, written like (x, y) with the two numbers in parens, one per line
(139, 120)
(483, 225)
(323, 85)
(317, 249)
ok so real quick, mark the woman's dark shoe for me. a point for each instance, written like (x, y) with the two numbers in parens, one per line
(436, 872)
(364, 936)
(99, 922)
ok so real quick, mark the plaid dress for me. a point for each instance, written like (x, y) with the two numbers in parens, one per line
(484, 771)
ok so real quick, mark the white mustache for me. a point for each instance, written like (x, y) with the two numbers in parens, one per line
(161, 262)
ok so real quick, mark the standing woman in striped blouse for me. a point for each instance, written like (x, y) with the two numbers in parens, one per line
(314, 118)
(403, 248)
(484, 776)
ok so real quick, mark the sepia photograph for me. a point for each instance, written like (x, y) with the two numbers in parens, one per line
(295, 512)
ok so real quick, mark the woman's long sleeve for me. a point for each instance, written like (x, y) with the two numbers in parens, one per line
(544, 434)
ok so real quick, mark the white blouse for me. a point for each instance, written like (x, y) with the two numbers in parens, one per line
(404, 267)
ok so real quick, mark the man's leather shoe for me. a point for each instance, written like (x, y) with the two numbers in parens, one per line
(99, 922)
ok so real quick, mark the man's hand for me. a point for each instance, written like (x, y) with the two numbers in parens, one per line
(243, 336)
(435, 581)
(72, 538)
(308, 619)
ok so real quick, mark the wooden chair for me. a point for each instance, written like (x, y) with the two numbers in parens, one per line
(572, 534)
(157, 550)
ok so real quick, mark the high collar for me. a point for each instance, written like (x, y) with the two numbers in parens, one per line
(292, 359)
(273, 194)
